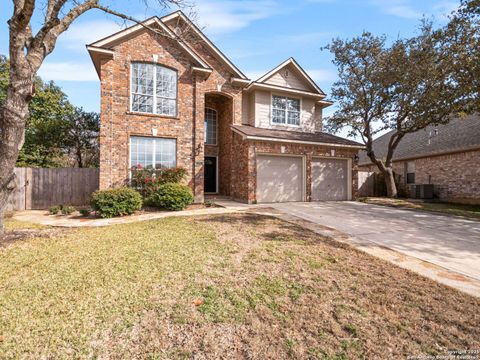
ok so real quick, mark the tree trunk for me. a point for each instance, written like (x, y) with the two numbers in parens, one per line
(13, 115)
(390, 183)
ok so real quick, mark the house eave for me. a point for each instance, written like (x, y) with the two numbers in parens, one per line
(256, 85)
(291, 61)
(97, 54)
(235, 70)
(240, 82)
(291, 141)
(114, 38)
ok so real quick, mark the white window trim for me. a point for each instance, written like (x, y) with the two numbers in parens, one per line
(286, 112)
(216, 127)
(154, 90)
(154, 150)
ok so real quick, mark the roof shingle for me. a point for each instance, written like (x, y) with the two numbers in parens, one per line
(318, 137)
(457, 135)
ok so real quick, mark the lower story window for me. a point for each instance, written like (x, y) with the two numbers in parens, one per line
(152, 152)
(411, 172)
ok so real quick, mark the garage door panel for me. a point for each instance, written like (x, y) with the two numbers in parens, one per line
(279, 178)
(329, 179)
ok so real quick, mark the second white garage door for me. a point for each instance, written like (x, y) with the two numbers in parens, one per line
(279, 178)
(330, 179)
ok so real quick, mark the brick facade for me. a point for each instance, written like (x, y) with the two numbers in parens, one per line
(455, 176)
(118, 123)
(236, 157)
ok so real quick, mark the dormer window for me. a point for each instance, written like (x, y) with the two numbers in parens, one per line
(285, 110)
(154, 89)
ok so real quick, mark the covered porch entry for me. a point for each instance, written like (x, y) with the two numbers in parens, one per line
(218, 117)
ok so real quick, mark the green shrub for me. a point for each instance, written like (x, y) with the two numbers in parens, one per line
(54, 209)
(68, 210)
(171, 196)
(84, 212)
(116, 202)
(147, 180)
(209, 203)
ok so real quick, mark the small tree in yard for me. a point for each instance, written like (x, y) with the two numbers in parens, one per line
(403, 87)
(27, 51)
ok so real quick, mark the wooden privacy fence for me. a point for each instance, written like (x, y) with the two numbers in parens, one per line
(39, 188)
(366, 183)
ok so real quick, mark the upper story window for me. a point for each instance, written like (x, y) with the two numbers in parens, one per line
(285, 110)
(210, 126)
(154, 89)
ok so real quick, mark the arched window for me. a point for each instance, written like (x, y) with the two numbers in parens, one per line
(154, 89)
(210, 126)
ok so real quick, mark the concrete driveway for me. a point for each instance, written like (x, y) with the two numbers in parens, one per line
(450, 242)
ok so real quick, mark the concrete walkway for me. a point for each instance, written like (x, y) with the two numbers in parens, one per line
(44, 218)
(445, 245)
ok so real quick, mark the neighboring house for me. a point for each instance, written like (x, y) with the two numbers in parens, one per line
(447, 156)
(176, 100)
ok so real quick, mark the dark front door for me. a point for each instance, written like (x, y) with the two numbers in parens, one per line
(210, 174)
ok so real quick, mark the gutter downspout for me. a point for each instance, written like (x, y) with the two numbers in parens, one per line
(194, 134)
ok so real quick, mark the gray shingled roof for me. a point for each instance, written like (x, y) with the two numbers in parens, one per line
(458, 134)
(319, 137)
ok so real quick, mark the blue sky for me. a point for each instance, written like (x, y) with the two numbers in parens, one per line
(256, 35)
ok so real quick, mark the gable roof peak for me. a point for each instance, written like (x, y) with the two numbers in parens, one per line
(215, 50)
(291, 61)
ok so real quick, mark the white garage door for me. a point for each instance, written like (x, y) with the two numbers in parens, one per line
(279, 178)
(329, 179)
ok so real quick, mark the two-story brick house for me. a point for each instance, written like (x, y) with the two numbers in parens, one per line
(170, 97)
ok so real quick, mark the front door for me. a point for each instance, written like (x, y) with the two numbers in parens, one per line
(210, 174)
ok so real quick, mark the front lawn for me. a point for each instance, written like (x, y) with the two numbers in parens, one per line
(224, 286)
(470, 211)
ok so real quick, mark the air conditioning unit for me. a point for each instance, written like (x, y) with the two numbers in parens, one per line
(422, 191)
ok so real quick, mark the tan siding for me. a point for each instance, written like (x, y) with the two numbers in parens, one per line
(290, 81)
(318, 118)
(262, 109)
(251, 106)
(262, 113)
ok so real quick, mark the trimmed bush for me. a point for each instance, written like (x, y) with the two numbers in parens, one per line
(84, 212)
(147, 181)
(54, 209)
(68, 210)
(116, 202)
(171, 196)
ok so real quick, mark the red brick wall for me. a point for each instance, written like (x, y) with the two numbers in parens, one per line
(456, 176)
(118, 124)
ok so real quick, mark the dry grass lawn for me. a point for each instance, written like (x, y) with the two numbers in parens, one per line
(240, 286)
(469, 211)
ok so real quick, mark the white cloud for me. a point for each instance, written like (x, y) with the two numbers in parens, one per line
(322, 74)
(226, 16)
(68, 71)
(83, 33)
(407, 9)
(309, 37)
(399, 8)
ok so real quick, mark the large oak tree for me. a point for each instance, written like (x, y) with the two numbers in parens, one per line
(404, 86)
(27, 51)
